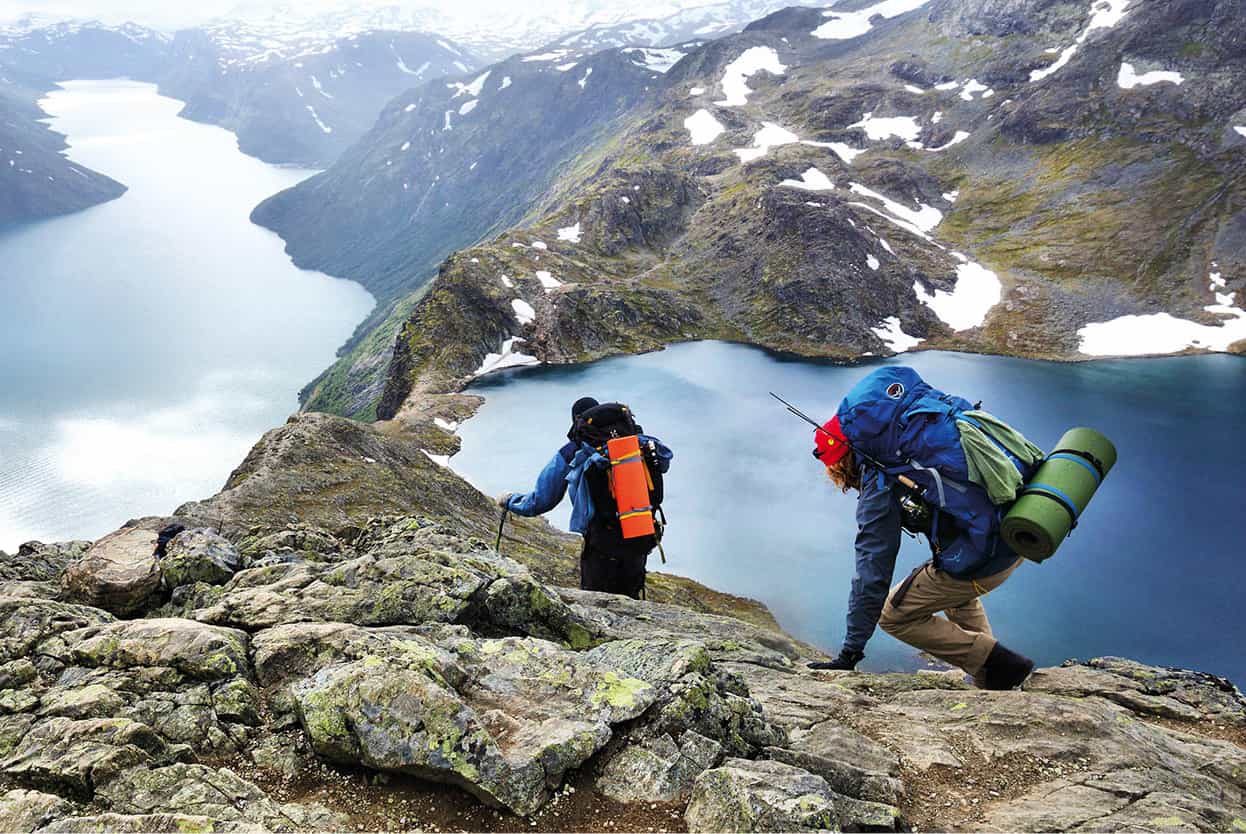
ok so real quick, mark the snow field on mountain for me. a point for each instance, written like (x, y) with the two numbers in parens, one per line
(1129, 78)
(1157, 333)
(1104, 14)
(507, 357)
(523, 311)
(771, 135)
(656, 60)
(570, 233)
(703, 127)
(894, 336)
(735, 76)
(811, 180)
(844, 25)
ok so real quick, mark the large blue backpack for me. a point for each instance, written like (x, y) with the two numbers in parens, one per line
(901, 426)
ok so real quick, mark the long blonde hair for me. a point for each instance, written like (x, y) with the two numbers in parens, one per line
(845, 473)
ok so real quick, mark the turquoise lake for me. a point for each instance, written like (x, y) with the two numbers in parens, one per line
(1156, 570)
(148, 342)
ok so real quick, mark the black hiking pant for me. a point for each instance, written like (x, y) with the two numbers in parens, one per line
(613, 565)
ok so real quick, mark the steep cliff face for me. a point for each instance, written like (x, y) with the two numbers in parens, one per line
(300, 106)
(36, 180)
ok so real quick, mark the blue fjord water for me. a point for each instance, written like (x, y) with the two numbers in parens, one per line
(146, 343)
(1156, 570)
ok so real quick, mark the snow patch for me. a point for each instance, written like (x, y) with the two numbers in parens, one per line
(697, 91)
(316, 83)
(473, 89)
(1158, 333)
(567, 67)
(872, 262)
(539, 244)
(951, 196)
(811, 180)
(548, 281)
(904, 127)
(446, 425)
(977, 290)
(441, 460)
(753, 60)
(523, 311)
(506, 82)
(771, 135)
(324, 127)
(406, 109)
(507, 282)
(570, 233)
(919, 221)
(1240, 129)
(584, 81)
(844, 25)
(545, 56)
(1104, 14)
(655, 60)
(894, 336)
(468, 106)
(447, 125)
(960, 136)
(1127, 79)
(703, 127)
(508, 357)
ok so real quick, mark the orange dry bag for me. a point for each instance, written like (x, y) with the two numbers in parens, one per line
(629, 481)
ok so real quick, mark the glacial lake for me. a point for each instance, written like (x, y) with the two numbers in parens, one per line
(148, 342)
(1156, 570)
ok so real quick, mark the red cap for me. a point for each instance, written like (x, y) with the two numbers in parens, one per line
(830, 443)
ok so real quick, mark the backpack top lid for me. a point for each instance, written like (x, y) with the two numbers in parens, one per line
(873, 404)
(603, 422)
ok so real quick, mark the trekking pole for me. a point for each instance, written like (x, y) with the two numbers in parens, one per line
(501, 526)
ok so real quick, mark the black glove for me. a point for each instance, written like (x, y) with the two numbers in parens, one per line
(846, 659)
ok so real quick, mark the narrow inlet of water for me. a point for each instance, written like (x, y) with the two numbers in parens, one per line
(148, 342)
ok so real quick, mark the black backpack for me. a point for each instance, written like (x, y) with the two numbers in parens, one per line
(595, 427)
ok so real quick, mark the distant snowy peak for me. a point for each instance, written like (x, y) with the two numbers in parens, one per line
(51, 29)
(703, 22)
(250, 43)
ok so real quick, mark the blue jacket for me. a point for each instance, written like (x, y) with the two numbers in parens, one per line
(878, 543)
(566, 470)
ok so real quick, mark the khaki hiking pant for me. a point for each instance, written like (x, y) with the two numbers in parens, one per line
(963, 638)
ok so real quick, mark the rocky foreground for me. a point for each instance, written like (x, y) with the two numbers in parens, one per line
(398, 675)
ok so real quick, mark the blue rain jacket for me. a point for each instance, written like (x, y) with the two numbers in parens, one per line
(878, 543)
(565, 471)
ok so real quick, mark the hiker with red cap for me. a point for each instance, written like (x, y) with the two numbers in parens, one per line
(928, 462)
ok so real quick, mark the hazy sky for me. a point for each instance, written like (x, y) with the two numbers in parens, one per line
(161, 13)
(173, 14)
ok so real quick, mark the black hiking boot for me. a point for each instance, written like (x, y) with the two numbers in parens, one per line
(1004, 669)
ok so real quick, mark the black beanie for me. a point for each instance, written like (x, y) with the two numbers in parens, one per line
(581, 405)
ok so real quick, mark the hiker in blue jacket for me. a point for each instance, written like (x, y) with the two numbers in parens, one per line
(608, 561)
(893, 428)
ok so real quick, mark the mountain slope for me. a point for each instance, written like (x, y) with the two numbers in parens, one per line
(954, 176)
(300, 99)
(447, 163)
(36, 180)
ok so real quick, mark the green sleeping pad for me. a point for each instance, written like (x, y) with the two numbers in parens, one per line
(1052, 501)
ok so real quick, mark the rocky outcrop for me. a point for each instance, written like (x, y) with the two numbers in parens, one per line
(198, 556)
(119, 573)
(400, 649)
(747, 795)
